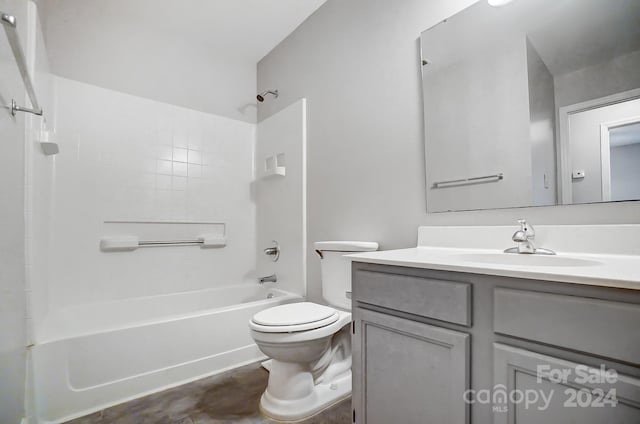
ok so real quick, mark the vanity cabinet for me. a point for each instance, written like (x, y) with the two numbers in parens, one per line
(395, 357)
(451, 348)
(571, 397)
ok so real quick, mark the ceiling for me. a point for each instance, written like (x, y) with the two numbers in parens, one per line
(242, 29)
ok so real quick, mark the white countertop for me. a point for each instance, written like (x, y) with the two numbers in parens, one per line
(620, 271)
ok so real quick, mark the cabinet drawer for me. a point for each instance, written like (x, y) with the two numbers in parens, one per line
(443, 300)
(598, 327)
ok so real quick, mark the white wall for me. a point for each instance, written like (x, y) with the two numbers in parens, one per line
(39, 176)
(156, 65)
(357, 63)
(13, 329)
(39, 171)
(124, 158)
(281, 200)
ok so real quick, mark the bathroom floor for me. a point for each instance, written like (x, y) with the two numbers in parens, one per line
(230, 397)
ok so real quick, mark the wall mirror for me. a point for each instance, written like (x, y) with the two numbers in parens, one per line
(533, 103)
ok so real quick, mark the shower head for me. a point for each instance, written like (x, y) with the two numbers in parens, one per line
(260, 96)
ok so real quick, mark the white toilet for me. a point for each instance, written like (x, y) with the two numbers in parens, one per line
(310, 344)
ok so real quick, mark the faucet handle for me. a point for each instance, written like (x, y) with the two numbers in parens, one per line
(526, 227)
(273, 251)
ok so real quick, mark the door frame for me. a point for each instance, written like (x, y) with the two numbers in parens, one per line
(563, 146)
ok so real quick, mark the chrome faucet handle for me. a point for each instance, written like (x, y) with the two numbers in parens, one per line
(526, 228)
(273, 251)
(524, 237)
(519, 236)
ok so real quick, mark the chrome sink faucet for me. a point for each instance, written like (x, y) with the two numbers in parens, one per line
(273, 278)
(524, 237)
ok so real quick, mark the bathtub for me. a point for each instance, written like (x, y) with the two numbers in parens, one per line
(93, 356)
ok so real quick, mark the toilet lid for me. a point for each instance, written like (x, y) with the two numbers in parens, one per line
(294, 317)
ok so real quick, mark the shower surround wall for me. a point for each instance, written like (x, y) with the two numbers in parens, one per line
(24, 236)
(125, 158)
(13, 331)
(39, 172)
(282, 200)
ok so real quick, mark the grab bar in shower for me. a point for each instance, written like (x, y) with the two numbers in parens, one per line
(467, 181)
(128, 243)
(9, 24)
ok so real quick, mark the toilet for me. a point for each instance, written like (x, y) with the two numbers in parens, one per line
(310, 344)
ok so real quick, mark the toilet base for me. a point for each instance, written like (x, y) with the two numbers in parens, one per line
(321, 397)
(309, 370)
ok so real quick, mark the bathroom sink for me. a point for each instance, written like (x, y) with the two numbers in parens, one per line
(524, 259)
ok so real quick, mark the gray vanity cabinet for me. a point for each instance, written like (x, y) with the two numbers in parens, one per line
(408, 372)
(425, 342)
(569, 397)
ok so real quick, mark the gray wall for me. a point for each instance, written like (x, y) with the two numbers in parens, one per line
(542, 126)
(485, 91)
(615, 76)
(357, 63)
(13, 331)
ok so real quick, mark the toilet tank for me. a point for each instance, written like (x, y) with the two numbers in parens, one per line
(336, 270)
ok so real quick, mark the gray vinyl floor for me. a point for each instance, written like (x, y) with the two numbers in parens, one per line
(231, 397)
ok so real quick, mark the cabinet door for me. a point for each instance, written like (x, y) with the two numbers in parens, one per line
(559, 391)
(408, 372)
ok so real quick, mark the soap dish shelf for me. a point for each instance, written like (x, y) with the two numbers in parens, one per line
(278, 170)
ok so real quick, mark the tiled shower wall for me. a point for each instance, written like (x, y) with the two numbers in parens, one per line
(125, 158)
(39, 169)
(13, 333)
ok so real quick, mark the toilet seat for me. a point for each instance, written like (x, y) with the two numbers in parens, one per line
(292, 317)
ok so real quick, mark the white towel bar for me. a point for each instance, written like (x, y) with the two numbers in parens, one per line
(467, 181)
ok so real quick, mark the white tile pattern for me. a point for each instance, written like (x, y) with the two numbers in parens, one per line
(125, 158)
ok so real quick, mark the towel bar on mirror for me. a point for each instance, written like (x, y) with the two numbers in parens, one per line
(468, 181)
(9, 23)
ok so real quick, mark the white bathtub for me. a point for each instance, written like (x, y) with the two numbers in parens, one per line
(92, 356)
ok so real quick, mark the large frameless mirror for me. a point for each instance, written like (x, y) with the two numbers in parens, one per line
(534, 103)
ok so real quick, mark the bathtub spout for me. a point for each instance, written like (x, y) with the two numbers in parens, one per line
(273, 278)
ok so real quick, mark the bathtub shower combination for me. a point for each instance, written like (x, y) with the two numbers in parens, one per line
(149, 278)
(94, 356)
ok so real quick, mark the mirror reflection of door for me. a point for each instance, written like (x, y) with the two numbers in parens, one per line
(624, 161)
(604, 152)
